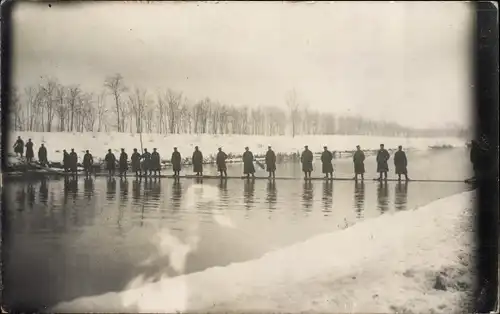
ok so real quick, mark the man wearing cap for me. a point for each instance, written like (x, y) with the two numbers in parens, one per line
(155, 162)
(221, 163)
(197, 161)
(326, 160)
(123, 163)
(248, 167)
(359, 163)
(136, 162)
(271, 162)
(146, 164)
(110, 160)
(307, 158)
(176, 162)
(401, 163)
(382, 158)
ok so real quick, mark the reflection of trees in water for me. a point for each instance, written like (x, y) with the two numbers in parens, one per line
(307, 195)
(271, 194)
(248, 193)
(401, 196)
(111, 189)
(327, 195)
(359, 198)
(382, 197)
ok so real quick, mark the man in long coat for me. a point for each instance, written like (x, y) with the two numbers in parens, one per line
(29, 151)
(248, 167)
(382, 159)
(401, 163)
(326, 160)
(19, 147)
(88, 160)
(73, 159)
(42, 155)
(176, 162)
(271, 162)
(197, 161)
(221, 163)
(66, 161)
(306, 159)
(123, 163)
(146, 163)
(359, 163)
(110, 160)
(136, 162)
(155, 162)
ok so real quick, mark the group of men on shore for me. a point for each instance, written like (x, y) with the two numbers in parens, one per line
(307, 157)
(150, 164)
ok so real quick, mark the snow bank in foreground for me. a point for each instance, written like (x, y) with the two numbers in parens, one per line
(386, 264)
(99, 143)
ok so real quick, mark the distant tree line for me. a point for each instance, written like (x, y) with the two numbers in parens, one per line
(54, 107)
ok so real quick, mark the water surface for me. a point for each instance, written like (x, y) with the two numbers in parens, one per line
(69, 238)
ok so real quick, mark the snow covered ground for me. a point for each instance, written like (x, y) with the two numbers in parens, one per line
(416, 261)
(99, 143)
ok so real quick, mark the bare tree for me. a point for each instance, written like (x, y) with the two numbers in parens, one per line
(173, 106)
(101, 110)
(293, 106)
(116, 86)
(73, 93)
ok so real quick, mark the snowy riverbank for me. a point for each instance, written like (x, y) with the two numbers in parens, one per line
(99, 143)
(414, 261)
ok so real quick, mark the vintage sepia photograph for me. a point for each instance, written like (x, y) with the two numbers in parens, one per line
(264, 157)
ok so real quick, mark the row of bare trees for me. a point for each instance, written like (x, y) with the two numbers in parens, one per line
(52, 106)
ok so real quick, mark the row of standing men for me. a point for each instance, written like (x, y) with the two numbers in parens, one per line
(151, 161)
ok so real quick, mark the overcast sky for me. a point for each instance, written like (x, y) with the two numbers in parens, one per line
(406, 62)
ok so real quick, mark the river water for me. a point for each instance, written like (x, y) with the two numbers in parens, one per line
(70, 238)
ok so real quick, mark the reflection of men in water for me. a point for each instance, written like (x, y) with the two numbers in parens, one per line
(401, 196)
(176, 194)
(359, 198)
(42, 155)
(359, 163)
(307, 194)
(271, 162)
(88, 160)
(326, 160)
(382, 197)
(44, 191)
(221, 163)
(327, 195)
(110, 160)
(111, 189)
(400, 163)
(306, 159)
(249, 190)
(382, 158)
(248, 167)
(88, 187)
(271, 193)
(176, 162)
(197, 161)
